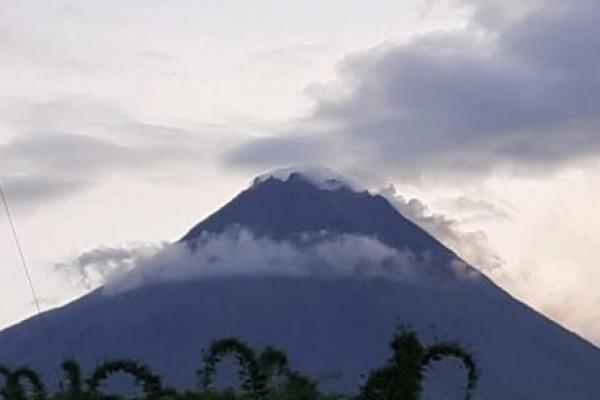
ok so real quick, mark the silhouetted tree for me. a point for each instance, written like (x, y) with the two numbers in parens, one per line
(292, 385)
(273, 363)
(267, 376)
(15, 390)
(253, 380)
(5, 375)
(151, 384)
(440, 350)
(72, 389)
(401, 378)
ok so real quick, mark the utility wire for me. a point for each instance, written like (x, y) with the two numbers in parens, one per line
(20, 250)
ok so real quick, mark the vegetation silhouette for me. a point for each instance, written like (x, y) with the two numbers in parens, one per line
(267, 376)
(73, 389)
(264, 376)
(14, 389)
(401, 377)
(253, 380)
(151, 384)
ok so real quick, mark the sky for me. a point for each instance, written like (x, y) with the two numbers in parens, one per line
(123, 123)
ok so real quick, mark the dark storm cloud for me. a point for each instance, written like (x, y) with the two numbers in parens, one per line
(61, 147)
(523, 99)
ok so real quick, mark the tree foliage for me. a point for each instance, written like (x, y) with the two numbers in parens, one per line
(253, 380)
(72, 389)
(15, 389)
(440, 350)
(5, 373)
(264, 376)
(401, 377)
(150, 383)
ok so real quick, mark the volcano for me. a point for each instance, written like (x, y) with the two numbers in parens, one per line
(335, 322)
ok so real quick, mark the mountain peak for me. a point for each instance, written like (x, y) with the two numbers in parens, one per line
(329, 323)
(289, 204)
(322, 177)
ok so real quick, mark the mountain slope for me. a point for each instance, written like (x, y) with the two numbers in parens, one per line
(283, 210)
(331, 327)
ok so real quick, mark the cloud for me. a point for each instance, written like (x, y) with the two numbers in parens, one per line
(569, 296)
(60, 147)
(32, 189)
(74, 36)
(238, 252)
(525, 100)
(556, 296)
(64, 153)
(93, 268)
(473, 209)
(497, 14)
(322, 177)
(279, 151)
(472, 246)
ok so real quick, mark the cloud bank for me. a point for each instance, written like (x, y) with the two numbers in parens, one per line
(522, 98)
(239, 252)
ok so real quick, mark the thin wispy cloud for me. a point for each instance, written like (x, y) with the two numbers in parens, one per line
(68, 145)
(473, 246)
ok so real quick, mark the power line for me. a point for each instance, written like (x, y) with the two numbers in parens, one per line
(20, 250)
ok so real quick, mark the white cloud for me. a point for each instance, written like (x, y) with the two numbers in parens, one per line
(472, 246)
(239, 252)
(93, 268)
(322, 177)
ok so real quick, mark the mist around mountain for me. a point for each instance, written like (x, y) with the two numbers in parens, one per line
(311, 264)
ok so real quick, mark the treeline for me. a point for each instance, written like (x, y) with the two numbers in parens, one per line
(263, 376)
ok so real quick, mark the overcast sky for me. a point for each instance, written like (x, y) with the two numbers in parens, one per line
(123, 123)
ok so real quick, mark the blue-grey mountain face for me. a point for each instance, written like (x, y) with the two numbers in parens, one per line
(331, 327)
(284, 210)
